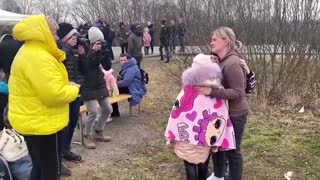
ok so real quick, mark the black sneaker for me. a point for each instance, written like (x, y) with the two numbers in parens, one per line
(70, 156)
(64, 171)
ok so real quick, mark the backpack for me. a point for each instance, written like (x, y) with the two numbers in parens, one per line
(144, 76)
(251, 82)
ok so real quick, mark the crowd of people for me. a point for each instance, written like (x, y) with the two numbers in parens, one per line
(51, 69)
(132, 39)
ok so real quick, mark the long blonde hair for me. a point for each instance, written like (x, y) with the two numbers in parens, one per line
(52, 24)
(228, 33)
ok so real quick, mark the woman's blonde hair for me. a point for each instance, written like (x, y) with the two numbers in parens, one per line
(52, 24)
(228, 33)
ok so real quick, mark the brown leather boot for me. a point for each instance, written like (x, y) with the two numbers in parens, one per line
(88, 142)
(100, 137)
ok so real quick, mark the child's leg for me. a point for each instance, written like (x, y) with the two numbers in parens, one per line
(147, 50)
(203, 170)
(191, 171)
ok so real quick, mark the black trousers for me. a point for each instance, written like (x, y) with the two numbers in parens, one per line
(138, 61)
(45, 152)
(151, 45)
(233, 156)
(146, 50)
(115, 107)
(74, 108)
(166, 48)
(3, 104)
(124, 48)
(196, 171)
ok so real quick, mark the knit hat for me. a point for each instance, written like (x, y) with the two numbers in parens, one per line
(95, 34)
(65, 31)
(201, 60)
(133, 27)
(163, 21)
(99, 23)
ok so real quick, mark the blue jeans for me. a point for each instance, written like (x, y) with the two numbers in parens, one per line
(233, 156)
(74, 109)
(21, 168)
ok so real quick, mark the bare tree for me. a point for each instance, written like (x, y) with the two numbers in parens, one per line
(26, 6)
(59, 10)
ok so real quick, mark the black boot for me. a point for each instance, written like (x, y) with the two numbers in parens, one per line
(64, 171)
(70, 156)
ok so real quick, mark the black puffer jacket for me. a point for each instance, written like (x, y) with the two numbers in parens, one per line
(94, 86)
(8, 49)
(72, 64)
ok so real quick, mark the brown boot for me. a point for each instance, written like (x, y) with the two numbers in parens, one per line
(100, 137)
(88, 142)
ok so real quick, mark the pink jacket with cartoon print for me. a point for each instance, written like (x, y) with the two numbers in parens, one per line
(198, 122)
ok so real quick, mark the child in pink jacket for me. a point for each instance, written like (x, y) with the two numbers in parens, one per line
(111, 82)
(146, 41)
(199, 124)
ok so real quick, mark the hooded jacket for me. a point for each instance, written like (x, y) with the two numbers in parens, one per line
(131, 78)
(196, 121)
(39, 88)
(234, 83)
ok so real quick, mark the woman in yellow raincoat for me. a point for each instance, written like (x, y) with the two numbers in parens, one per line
(40, 93)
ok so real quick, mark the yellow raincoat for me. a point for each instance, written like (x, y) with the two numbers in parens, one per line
(39, 90)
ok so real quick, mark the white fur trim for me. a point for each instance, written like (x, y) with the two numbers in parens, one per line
(66, 37)
(201, 60)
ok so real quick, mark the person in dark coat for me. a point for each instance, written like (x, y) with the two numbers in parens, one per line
(181, 35)
(8, 49)
(109, 36)
(164, 41)
(135, 43)
(94, 89)
(151, 32)
(68, 42)
(123, 38)
(172, 36)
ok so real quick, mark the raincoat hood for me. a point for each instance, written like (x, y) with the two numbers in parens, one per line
(35, 29)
